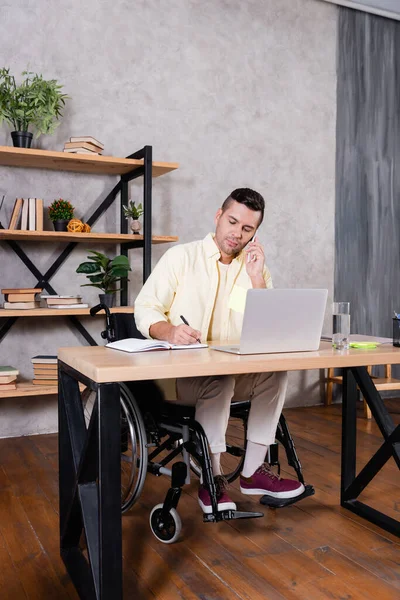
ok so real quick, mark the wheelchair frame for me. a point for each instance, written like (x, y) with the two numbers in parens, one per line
(175, 429)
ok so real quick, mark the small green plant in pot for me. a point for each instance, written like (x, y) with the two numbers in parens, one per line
(105, 273)
(134, 212)
(61, 212)
(35, 103)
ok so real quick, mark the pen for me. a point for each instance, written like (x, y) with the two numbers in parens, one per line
(186, 323)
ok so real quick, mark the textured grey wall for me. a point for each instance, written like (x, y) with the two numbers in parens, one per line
(239, 93)
(367, 263)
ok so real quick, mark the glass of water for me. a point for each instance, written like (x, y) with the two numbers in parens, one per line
(341, 325)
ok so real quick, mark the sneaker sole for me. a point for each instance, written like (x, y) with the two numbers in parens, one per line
(221, 506)
(258, 492)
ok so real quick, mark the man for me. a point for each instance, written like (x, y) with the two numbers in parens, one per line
(198, 280)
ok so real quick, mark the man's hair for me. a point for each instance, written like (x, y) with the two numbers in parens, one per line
(253, 200)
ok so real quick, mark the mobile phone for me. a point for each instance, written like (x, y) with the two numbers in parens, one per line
(250, 256)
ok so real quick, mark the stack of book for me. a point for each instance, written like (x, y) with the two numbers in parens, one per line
(27, 214)
(60, 301)
(45, 370)
(85, 144)
(8, 377)
(21, 298)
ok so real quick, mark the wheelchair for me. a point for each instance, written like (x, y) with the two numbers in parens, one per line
(155, 432)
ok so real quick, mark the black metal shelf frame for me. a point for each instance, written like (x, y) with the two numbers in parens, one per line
(122, 187)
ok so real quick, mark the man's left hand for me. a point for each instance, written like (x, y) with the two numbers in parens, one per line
(255, 261)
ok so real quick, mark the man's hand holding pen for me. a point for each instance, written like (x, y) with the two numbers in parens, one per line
(184, 334)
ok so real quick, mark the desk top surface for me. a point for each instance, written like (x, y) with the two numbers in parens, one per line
(104, 365)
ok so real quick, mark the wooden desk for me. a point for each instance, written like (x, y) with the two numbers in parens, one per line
(90, 459)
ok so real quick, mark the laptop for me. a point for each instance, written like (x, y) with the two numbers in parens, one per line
(280, 321)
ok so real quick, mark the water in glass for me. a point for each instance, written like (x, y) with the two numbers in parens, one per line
(341, 331)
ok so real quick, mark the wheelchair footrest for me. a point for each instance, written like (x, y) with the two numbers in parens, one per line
(227, 515)
(282, 502)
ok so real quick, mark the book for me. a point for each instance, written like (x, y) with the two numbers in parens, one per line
(7, 370)
(7, 379)
(61, 299)
(78, 305)
(44, 359)
(87, 138)
(16, 213)
(51, 376)
(32, 214)
(24, 214)
(21, 290)
(8, 386)
(45, 382)
(37, 370)
(79, 151)
(39, 214)
(82, 145)
(21, 305)
(136, 345)
(29, 297)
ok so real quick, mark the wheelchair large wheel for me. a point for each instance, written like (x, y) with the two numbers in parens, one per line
(134, 456)
(232, 460)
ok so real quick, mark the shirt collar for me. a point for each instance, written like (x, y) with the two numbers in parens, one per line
(212, 251)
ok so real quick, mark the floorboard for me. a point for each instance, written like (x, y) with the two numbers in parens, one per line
(314, 550)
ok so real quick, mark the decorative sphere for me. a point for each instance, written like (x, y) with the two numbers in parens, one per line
(75, 226)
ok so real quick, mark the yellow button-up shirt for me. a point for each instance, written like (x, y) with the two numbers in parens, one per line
(185, 282)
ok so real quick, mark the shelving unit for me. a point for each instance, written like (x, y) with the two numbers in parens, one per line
(88, 238)
(95, 164)
(59, 312)
(139, 164)
(27, 388)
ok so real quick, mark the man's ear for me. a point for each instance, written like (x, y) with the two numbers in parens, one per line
(217, 216)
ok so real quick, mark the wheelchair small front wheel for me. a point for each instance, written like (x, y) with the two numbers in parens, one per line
(167, 530)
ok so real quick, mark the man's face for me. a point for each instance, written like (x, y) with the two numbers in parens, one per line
(234, 228)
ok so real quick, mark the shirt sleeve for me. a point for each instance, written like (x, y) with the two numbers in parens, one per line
(156, 296)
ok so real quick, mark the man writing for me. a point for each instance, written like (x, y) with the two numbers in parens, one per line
(197, 280)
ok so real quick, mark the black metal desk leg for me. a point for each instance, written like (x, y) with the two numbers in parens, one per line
(352, 484)
(349, 432)
(110, 528)
(90, 489)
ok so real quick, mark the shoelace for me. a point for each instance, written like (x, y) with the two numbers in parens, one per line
(221, 484)
(265, 469)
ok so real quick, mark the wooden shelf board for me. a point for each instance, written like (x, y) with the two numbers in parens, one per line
(79, 163)
(381, 383)
(59, 312)
(66, 236)
(27, 388)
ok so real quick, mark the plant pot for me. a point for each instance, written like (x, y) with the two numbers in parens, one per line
(107, 299)
(22, 139)
(136, 226)
(61, 224)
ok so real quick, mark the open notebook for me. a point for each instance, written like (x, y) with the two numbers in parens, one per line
(136, 345)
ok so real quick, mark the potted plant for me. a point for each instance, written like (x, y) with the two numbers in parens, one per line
(35, 102)
(61, 212)
(104, 273)
(134, 212)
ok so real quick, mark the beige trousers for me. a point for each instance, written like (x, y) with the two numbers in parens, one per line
(213, 395)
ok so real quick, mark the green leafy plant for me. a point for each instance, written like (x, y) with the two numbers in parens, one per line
(132, 210)
(61, 210)
(103, 272)
(34, 102)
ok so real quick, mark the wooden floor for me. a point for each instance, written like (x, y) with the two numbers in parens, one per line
(313, 550)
